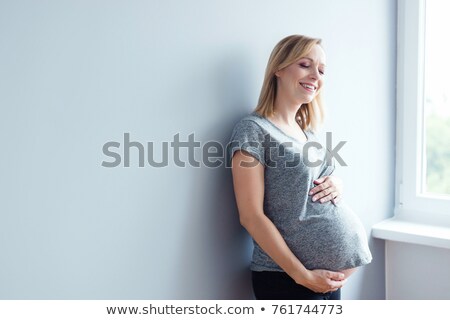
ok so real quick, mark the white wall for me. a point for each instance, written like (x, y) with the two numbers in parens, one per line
(77, 74)
(417, 272)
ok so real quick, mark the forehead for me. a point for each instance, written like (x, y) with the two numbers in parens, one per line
(316, 55)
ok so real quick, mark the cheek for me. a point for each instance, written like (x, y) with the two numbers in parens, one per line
(296, 72)
(292, 78)
(320, 85)
(301, 73)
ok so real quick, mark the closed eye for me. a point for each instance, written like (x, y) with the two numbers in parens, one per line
(306, 66)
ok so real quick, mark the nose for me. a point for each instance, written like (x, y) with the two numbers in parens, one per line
(315, 74)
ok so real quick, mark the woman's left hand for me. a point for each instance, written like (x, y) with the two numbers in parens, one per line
(328, 188)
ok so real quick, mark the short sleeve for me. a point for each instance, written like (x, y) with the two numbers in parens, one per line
(247, 135)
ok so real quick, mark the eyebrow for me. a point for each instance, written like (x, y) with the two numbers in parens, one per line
(322, 64)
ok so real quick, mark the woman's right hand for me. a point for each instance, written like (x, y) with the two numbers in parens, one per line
(323, 281)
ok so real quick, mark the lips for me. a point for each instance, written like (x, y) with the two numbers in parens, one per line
(308, 86)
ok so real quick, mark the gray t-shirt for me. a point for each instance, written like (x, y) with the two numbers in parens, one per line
(321, 235)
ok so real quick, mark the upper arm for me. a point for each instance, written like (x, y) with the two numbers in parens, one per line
(248, 182)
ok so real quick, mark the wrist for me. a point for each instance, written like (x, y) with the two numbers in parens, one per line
(301, 276)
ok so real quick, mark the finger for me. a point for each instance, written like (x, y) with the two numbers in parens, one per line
(320, 180)
(326, 183)
(336, 200)
(335, 285)
(336, 276)
(329, 197)
(338, 284)
(324, 193)
(316, 189)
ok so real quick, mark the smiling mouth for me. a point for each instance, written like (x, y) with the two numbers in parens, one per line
(308, 87)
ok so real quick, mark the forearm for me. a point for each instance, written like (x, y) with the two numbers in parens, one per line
(264, 232)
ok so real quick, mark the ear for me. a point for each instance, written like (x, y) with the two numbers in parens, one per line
(277, 74)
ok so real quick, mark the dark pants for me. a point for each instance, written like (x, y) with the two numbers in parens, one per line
(274, 285)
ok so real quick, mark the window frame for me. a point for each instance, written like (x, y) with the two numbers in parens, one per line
(410, 204)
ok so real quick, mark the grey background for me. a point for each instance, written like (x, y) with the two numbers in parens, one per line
(77, 74)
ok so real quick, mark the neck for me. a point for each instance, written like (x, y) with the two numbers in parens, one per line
(286, 111)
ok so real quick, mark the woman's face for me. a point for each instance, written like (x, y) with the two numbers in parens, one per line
(300, 81)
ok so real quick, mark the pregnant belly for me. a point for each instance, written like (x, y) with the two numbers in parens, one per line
(329, 237)
(348, 272)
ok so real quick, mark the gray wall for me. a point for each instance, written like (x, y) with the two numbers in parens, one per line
(77, 74)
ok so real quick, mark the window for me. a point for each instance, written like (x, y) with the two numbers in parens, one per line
(423, 125)
(436, 121)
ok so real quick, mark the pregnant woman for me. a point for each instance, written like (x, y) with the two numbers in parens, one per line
(307, 241)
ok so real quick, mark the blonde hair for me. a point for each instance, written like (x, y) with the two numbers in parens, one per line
(287, 51)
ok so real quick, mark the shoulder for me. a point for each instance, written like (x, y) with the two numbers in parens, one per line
(251, 123)
(249, 135)
(252, 119)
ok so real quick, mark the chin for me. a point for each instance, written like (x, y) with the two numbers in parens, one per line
(302, 100)
(308, 100)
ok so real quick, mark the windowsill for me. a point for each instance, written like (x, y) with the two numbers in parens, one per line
(396, 229)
